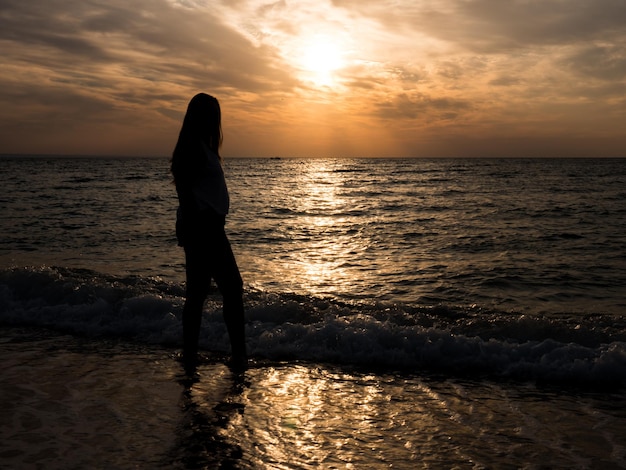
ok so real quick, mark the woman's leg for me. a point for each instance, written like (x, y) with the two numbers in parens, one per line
(192, 318)
(198, 283)
(235, 323)
(230, 284)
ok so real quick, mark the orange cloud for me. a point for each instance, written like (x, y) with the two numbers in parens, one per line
(317, 78)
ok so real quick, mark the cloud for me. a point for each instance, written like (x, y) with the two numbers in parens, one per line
(600, 61)
(97, 76)
(495, 25)
(413, 107)
(119, 62)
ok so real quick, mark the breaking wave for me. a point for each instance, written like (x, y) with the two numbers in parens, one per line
(447, 339)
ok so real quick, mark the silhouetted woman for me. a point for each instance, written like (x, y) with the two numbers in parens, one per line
(203, 205)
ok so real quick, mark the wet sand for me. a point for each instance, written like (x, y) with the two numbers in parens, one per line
(76, 403)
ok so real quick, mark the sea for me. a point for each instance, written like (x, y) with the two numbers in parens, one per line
(401, 313)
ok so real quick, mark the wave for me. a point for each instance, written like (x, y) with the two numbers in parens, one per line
(285, 326)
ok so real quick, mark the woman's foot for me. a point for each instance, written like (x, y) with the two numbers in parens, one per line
(190, 362)
(238, 363)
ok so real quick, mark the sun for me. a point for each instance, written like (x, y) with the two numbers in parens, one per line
(319, 59)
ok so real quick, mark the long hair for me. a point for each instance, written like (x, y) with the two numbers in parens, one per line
(202, 124)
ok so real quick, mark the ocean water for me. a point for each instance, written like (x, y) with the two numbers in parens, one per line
(412, 313)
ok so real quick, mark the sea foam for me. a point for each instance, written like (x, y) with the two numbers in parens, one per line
(287, 326)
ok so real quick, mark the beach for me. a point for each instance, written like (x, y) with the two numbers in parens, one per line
(107, 404)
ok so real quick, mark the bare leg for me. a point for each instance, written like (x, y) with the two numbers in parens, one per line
(192, 318)
(235, 323)
(213, 258)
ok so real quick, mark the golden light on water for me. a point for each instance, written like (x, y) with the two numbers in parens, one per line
(299, 416)
(324, 263)
(331, 242)
(313, 411)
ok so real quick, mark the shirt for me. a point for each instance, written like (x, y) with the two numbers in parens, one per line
(209, 189)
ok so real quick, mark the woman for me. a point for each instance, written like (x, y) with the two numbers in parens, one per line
(203, 205)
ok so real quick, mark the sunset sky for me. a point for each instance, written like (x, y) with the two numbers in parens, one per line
(327, 78)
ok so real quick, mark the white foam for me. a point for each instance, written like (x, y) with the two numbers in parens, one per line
(287, 326)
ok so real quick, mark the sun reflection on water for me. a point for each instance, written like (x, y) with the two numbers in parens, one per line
(332, 239)
(322, 233)
(323, 416)
(299, 416)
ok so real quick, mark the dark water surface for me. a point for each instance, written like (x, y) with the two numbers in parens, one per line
(516, 235)
(403, 313)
